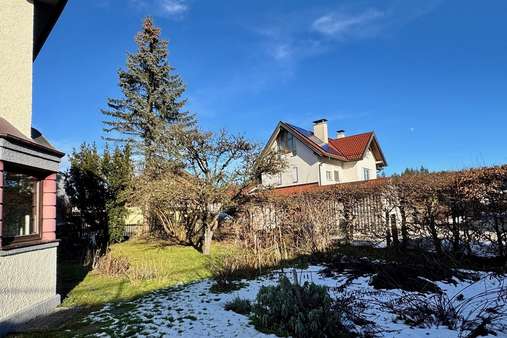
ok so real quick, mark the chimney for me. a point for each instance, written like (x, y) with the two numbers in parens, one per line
(320, 130)
(340, 133)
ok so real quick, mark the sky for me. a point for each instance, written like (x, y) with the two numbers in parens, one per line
(428, 77)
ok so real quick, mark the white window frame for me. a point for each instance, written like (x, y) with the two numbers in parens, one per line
(295, 175)
(336, 174)
(366, 174)
(329, 176)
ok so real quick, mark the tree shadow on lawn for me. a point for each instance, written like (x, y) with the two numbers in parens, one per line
(71, 321)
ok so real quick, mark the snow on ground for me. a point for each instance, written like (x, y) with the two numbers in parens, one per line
(193, 311)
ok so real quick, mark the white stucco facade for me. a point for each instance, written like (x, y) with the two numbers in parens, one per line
(26, 278)
(16, 48)
(306, 163)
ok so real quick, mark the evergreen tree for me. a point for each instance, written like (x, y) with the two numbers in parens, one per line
(97, 185)
(152, 102)
(86, 189)
(118, 172)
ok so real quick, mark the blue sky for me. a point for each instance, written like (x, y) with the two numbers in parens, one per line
(429, 77)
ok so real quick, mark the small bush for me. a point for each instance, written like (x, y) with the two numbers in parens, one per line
(298, 311)
(426, 311)
(238, 305)
(114, 266)
(227, 270)
(144, 271)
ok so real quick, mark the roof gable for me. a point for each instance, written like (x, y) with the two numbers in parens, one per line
(349, 148)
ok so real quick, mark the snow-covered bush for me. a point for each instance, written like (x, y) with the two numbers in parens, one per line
(299, 311)
(239, 305)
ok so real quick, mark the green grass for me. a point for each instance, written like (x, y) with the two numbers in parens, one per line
(171, 265)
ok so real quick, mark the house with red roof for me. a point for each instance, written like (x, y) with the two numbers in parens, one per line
(316, 159)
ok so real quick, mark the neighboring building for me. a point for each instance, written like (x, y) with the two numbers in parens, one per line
(316, 159)
(28, 167)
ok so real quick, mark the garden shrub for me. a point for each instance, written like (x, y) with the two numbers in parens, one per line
(289, 309)
(143, 271)
(238, 305)
(228, 269)
(426, 311)
(114, 266)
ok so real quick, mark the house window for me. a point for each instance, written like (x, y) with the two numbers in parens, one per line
(328, 175)
(292, 144)
(366, 174)
(21, 206)
(286, 142)
(279, 179)
(294, 174)
(336, 176)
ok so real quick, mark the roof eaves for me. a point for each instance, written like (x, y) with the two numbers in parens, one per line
(46, 15)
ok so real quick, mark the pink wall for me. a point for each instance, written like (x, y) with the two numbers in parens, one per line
(49, 208)
(1, 197)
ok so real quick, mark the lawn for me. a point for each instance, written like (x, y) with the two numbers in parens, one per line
(178, 301)
(172, 265)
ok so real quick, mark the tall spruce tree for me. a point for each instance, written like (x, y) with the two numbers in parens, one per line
(152, 101)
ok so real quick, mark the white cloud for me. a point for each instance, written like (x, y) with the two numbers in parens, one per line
(340, 24)
(293, 36)
(282, 51)
(174, 8)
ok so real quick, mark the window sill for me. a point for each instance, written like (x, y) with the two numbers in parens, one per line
(14, 249)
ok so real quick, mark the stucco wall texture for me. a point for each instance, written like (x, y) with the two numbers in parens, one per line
(16, 49)
(26, 279)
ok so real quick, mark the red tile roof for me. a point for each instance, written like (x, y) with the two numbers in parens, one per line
(352, 147)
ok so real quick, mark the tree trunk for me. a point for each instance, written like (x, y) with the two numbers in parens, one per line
(394, 231)
(388, 231)
(499, 238)
(455, 235)
(208, 236)
(404, 230)
(434, 236)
